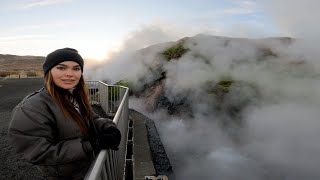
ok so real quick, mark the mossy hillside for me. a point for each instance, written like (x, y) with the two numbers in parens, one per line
(175, 52)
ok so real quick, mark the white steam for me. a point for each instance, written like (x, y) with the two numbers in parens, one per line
(126, 63)
(298, 19)
(286, 135)
(279, 138)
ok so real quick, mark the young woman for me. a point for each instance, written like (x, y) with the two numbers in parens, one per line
(55, 128)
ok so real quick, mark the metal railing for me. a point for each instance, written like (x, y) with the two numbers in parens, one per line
(109, 164)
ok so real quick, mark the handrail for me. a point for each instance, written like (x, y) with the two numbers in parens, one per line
(110, 164)
(97, 167)
(122, 104)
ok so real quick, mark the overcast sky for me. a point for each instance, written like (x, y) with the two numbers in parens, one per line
(97, 27)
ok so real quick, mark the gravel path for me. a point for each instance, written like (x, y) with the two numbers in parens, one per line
(12, 91)
(161, 161)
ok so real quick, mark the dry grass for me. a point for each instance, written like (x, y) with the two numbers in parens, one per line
(13, 66)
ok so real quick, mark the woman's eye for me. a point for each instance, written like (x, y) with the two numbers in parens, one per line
(61, 68)
(77, 69)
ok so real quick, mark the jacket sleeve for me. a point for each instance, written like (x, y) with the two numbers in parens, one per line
(34, 135)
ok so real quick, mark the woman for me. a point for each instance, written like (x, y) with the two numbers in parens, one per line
(55, 128)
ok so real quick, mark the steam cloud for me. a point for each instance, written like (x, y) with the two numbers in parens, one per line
(280, 138)
(296, 18)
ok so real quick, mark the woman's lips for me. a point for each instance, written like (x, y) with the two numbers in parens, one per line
(68, 81)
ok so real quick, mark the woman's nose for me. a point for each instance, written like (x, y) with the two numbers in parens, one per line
(69, 72)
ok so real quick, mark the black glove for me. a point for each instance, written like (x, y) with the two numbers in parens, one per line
(109, 138)
(94, 143)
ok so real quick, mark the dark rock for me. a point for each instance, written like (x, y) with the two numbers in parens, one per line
(161, 161)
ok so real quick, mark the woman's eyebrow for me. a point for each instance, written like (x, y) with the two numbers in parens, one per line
(67, 65)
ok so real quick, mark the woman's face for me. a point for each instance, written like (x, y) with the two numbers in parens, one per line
(66, 75)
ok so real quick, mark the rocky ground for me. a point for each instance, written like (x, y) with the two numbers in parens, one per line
(160, 159)
(12, 91)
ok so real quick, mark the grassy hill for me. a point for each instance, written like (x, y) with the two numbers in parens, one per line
(20, 66)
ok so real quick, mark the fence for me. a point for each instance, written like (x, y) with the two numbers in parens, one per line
(109, 164)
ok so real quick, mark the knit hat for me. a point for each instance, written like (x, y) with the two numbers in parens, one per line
(61, 55)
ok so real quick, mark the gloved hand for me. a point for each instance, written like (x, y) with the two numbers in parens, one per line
(90, 144)
(109, 138)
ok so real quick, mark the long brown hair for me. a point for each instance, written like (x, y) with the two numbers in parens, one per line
(62, 98)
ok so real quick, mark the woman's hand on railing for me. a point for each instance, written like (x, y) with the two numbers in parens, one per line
(110, 138)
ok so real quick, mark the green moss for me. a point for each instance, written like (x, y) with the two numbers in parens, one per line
(122, 83)
(174, 52)
(224, 85)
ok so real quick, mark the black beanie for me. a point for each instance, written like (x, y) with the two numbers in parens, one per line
(60, 55)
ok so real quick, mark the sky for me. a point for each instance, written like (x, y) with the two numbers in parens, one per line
(99, 27)
(96, 28)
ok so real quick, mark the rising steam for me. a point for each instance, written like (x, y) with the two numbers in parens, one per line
(279, 135)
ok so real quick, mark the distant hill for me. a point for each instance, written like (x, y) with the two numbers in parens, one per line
(169, 75)
(13, 65)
